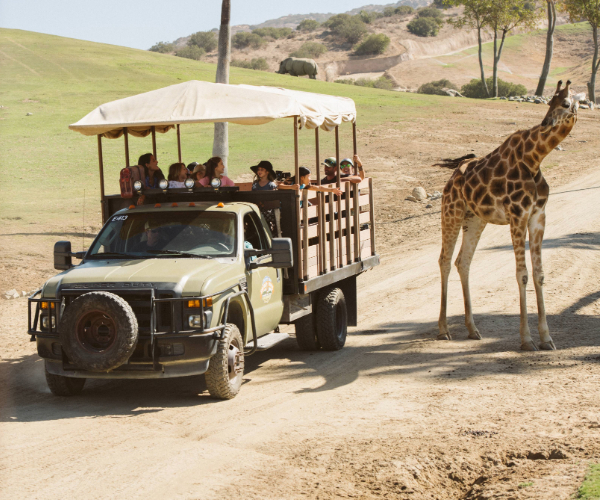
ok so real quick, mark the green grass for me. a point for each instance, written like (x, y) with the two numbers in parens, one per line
(590, 489)
(45, 167)
(525, 485)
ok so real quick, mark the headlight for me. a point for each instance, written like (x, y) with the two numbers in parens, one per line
(163, 184)
(216, 183)
(137, 185)
(189, 183)
(45, 322)
(195, 321)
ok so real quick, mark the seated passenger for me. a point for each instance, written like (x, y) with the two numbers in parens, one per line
(265, 177)
(178, 173)
(153, 174)
(330, 165)
(347, 166)
(198, 173)
(304, 183)
(214, 170)
(191, 167)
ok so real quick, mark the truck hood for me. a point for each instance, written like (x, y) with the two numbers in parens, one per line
(187, 276)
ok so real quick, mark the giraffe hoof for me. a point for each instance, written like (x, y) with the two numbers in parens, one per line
(444, 336)
(528, 346)
(474, 335)
(548, 346)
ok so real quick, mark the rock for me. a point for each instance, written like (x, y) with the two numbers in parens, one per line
(429, 205)
(538, 101)
(559, 148)
(503, 98)
(558, 455)
(584, 106)
(419, 193)
(592, 105)
(452, 92)
(29, 114)
(11, 294)
(411, 198)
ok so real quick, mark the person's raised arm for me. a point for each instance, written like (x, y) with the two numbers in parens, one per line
(361, 170)
(314, 187)
(295, 187)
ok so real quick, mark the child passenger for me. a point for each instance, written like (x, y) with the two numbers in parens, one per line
(178, 173)
(265, 177)
(214, 170)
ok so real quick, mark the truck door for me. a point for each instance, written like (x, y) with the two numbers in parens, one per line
(264, 283)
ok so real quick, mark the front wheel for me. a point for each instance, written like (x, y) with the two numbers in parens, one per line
(332, 319)
(64, 386)
(226, 367)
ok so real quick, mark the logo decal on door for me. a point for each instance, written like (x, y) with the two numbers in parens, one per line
(266, 290)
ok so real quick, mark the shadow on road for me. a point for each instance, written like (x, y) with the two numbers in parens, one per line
(578, 241)
(395, 349)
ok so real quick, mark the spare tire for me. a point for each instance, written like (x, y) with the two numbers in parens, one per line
(98, 331)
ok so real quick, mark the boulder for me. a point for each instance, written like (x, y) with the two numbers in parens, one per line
(411, 198)
(11, 294)
(419, 193)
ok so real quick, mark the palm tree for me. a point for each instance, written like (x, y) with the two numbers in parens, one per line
(221, 136)
(549, 47)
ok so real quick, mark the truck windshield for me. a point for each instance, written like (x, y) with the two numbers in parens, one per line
(191, 234)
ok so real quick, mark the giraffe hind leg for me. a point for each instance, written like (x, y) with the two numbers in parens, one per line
(451, 224)
(473, 226)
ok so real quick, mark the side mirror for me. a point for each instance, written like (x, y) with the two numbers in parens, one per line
(62, 255)
(282, 252)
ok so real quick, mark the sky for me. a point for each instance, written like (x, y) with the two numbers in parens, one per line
(142, 23)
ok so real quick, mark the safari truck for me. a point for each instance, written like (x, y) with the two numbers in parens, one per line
(219, 282)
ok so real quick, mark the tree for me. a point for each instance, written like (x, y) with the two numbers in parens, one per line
(190, 52)
(505, 16)
(588, 10)
(162, 47)
(310, 50)
(221, 134)
(549, 47)
(475, 16)
(423, 26)
(349, 28)
(308, 25)
(373, 44)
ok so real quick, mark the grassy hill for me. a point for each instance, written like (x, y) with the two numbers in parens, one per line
(45, 167)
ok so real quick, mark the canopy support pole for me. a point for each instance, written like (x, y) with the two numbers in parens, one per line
(154, 141)
(317, 153)
(355, 149)
(101, 166)
(179, 143)
(320, 219)
(339, 198)
(297, 174)
(126, 135)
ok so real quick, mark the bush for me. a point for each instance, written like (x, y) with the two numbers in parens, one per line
(310, 50)
(368, 17)
(243, 39)
(162, 47)
(435, 88)
(205, 40)
(259, 64)
(430, 12)
(308, 25)
(275, 33)
(349, 28)
(191, 52)
(404, 10)
(475, 90)
(423, 26)
(374, 44)
(389, 12)
(381, 83)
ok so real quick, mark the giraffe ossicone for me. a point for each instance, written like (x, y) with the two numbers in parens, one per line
(505, 187)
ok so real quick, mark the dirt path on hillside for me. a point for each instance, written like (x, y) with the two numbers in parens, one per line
(395, 414)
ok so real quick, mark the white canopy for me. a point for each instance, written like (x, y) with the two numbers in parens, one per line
(197, 102)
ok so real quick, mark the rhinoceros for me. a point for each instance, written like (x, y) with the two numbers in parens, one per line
(299, 67)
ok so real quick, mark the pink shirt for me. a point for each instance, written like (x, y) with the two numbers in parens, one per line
(225, 182)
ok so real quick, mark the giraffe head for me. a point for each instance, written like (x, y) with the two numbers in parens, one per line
(562, 106)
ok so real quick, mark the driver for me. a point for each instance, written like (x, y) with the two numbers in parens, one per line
(155, 239)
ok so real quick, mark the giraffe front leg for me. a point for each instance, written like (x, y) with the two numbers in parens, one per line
(473, 226)
(536, 226)
(518, 230)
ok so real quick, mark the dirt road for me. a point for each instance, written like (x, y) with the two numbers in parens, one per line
(395, 414)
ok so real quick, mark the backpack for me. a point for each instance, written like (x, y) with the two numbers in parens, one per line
(128, 176)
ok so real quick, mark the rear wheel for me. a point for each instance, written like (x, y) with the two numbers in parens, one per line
(226, 367)
(306, 333)
(332, 319)
(64, 386)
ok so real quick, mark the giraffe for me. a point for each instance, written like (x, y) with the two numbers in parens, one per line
(505, 187)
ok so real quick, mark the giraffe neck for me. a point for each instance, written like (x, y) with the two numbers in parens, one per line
(532, 146)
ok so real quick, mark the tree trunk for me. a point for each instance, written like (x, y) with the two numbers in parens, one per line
(595, 66)
(549, 48)
(495, 67)
(497, 60)
(485, 87)
(221, 135)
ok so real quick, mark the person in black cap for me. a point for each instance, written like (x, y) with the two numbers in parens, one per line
(264, 178)
(304, 183)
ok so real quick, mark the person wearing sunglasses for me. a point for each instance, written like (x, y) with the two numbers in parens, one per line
(330, 166)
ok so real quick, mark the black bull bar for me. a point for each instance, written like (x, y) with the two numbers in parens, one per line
(217, 331)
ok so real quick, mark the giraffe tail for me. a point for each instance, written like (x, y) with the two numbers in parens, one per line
(453, 163)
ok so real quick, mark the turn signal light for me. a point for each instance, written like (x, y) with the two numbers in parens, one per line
(131, 207)
(52, 305)
(157, 205)
(174, 205)
(220, 205)
(196, 303)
